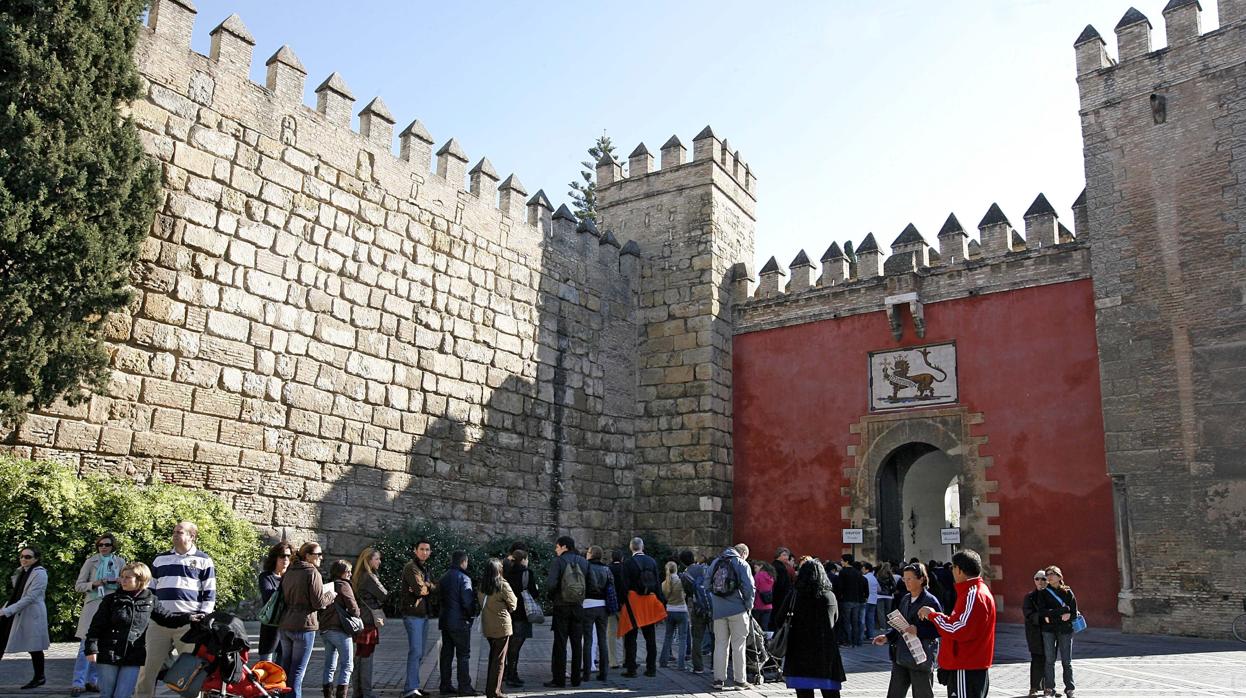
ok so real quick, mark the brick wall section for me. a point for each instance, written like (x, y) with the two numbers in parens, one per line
(1166, 213)
(694, 221)
(334, 339)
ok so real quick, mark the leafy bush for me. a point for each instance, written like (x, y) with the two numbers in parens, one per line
(46, 505)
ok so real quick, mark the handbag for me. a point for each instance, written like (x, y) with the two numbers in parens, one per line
(535, 613)
(777, 644)
(273, 609)
(350, 623)
(1079, 623)
(187, 674)
(905, 658)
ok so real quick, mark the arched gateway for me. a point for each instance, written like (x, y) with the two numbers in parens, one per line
(906, 466)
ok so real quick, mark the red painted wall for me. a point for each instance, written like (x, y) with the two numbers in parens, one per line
(1027, 360)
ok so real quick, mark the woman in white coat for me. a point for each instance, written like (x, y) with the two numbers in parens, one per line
(97, 578)
(24, 619)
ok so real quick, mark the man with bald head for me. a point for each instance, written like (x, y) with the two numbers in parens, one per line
(183, 581)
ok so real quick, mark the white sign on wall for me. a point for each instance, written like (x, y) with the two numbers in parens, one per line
(950, 536)
(854, 535)
(913, 377)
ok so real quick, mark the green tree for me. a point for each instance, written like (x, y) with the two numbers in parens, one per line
(77, 194)
(584, 194)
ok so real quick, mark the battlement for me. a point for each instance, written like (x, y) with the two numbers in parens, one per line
(713, 162)
(865, 280)
(274, 118)
(1139, 68)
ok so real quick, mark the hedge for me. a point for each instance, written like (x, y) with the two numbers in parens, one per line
(48, 506)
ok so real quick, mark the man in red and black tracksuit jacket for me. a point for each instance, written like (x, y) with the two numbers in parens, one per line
(968, 634)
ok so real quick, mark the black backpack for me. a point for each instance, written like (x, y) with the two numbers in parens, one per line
(648, 578)
(886, 584)
(724, 579)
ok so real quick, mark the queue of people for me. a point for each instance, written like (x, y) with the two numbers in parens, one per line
(132, 617)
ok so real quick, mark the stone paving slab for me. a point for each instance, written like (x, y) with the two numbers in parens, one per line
(1107, 664)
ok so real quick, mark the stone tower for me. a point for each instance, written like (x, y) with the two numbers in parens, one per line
(694, 223)
(1165, 173)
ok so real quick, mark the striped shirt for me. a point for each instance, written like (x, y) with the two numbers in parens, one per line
(184, 583)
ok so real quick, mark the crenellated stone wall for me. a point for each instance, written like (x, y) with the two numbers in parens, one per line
(335, 338)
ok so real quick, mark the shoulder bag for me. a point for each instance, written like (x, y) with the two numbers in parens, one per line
(1079, 623)
(351, 624)
(273, 609)
(777, 644)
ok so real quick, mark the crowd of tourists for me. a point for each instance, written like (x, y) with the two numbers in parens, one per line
(802, 609)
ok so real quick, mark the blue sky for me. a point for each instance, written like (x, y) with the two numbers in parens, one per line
(855, 116)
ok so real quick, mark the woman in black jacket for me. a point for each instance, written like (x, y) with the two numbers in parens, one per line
(516, 573)
(116, 641)
(905, 673)
(1058, 609)
(1031, 609)
(812, 659)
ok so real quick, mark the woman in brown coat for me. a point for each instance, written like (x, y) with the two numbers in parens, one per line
(497, 602)
(338, 645)
(305, 596)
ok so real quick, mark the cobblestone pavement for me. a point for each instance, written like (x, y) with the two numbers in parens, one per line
(1107, 664)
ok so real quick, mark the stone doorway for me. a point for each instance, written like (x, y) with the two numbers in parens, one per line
(901, 454)
(918, 494)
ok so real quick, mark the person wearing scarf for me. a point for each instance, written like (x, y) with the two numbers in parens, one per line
(96, 579)
(24, 619)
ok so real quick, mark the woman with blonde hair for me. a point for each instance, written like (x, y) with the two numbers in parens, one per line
(371, 595)
(1057, 608)
(677, 624)
(116, 640)
(97, 579)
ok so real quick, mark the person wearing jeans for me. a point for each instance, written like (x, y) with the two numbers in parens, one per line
(1058, 607)
(414, 593)
(339, 645)
(305, 596)
(676, 617)
(96, 579)
(296, 651)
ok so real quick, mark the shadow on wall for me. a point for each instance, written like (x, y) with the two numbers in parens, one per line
(539, 458)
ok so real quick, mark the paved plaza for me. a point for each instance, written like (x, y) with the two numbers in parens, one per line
(1107, 664)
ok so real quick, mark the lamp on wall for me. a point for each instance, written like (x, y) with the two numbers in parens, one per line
(913, 525)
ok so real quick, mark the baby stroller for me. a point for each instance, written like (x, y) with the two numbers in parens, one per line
(761, 666)
(218, 666)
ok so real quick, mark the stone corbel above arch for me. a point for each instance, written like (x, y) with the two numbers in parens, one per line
(898, 301)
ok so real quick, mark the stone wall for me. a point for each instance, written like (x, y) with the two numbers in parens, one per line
(1164, 171)
(335, 339)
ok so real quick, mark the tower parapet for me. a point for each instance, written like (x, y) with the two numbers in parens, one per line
(694, 222)
(959, 268)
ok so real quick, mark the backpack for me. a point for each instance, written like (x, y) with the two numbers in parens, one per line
(571, 585)
(887, 585)
(724, 580)
(648, 579)
(699, 601)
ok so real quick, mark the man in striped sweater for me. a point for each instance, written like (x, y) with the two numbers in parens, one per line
(184, 581)
(968, 634)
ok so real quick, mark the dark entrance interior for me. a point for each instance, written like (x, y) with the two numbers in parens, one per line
(891, 501)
